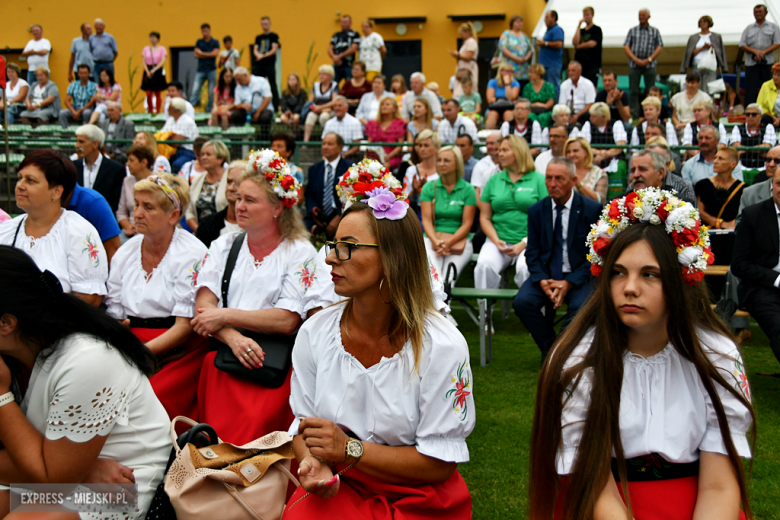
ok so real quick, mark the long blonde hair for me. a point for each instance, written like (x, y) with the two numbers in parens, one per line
(290, 222)
(585, 146)
(396, 115)
(469, 28)
(405, 266)
(523, 157)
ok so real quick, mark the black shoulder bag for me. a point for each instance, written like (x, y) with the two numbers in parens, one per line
(277, 347)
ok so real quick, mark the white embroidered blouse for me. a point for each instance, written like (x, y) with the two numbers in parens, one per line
(72, 395)
(72, 250)
(664, 407)
(388, 403)
(168, 291)
(280, 281)
(323, 292)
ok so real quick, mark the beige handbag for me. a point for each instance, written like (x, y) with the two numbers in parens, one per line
(228, 482)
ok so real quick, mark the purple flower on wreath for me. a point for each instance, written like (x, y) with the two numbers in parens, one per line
(384, 204)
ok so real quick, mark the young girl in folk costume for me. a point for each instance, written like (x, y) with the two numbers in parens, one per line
(643, 406)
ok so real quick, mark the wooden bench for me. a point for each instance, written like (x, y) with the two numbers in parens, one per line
(722, 270)
(480, 315)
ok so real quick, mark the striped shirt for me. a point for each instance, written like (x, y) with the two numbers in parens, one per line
(643, 41)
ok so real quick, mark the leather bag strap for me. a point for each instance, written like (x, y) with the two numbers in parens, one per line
(230, 265)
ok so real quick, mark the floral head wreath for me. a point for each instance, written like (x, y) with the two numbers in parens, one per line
(371, 182)
(660, 208)
(277, 172)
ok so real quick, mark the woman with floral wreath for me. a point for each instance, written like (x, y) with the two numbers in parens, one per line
(151, 288)
(382, 386)
(643, 407)
(271, 274)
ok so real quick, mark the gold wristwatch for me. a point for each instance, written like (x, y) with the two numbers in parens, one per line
(353, 452)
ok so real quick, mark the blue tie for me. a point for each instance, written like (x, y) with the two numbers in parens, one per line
(327, 195)
(556, 257)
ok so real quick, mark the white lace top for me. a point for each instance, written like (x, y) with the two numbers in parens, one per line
(323, 293)
(664, 407)
(387, 403)
(169, 291)
(280, 281)
(72, 250)
(72, 395)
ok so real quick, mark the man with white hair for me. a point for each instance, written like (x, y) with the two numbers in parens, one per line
(577, 92)
(182, 128)
(345, 125)
(104, 49)
(117, 127)
(754, 132)
(95, 170)
(175, 89)
(254, 97)
(418, 90)
(642, 46)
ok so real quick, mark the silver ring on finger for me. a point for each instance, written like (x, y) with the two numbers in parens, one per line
(249, 350)
(246, 355)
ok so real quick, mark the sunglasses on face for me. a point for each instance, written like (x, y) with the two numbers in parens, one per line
(752, 114)
(775, 160)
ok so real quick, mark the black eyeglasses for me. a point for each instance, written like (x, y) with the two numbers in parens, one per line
(752, 114)
(344, 249)
(773, 160)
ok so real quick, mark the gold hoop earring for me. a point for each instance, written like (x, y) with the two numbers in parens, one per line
(380, 293)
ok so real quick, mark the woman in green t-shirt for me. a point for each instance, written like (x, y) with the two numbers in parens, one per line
(448, 206)
(503, 208)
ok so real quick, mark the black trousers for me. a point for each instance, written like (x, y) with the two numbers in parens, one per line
(269, 73)
(764, 306)
(755, 76)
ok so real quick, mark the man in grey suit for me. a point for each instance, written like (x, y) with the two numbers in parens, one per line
(117, 127)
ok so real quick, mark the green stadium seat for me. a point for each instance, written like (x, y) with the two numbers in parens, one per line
(209, 130)
(19, 129)
(158, 118)
(13, 159)
(138, 118)
(241, 130)
(145, 128)
(202, 117)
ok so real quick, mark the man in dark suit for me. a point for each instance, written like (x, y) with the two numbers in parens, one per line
(95, 170)
(756, 262)
(322, 202)
(556, 254)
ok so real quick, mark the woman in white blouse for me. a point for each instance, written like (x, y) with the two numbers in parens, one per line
(88, 411)
(59, 240)
(646, 387)
(382, 385)
(15, 92)
(152, 289)
(273, 271)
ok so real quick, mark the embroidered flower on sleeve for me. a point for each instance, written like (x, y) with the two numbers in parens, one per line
(459, 394)
(307, 273)
(739, 373)
(434, 272)
(194, 270)
(92, 250)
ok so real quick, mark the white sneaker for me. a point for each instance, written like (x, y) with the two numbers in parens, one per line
(451, 320)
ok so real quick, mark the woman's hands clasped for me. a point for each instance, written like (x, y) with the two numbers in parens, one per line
(326, 443)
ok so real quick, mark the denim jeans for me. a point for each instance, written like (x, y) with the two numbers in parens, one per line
(553, 76)
(101, 66)
(200, 78)
(14, 113)
(635, 75)
(342, 72)
(32, 79)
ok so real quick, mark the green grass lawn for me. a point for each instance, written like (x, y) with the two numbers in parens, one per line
(504, 392)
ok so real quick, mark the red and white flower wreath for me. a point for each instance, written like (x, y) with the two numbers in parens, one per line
(277, 172)
(680, 219)
(365, 176)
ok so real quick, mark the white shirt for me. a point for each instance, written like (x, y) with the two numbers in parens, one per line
(407, 108)
(280, 281)
(687, 139)
(118, 404)
(72, 250)
(190, 109)
(411, 172)
(369, 51)
(230, 228)
(34, 60)
(11, 93)
(348, 128)
(323, 292)
(90, 174)
(542, 160)
(368, 108)
(185, 126)
(671, 134)
(333, 164)
(254, 93)
(537, 137)
(564, 229)
(169, 291)
(770, 136)
(703, 38)
(583, 93)
(483, 170)
(664, 407)
(387, 403)
(449, 132)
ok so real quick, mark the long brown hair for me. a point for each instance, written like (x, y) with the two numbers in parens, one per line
(688, 309)
(405, 265)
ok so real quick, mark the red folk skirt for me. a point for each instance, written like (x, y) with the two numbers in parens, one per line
(176, 383)
(361, 496)
(238, 410)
